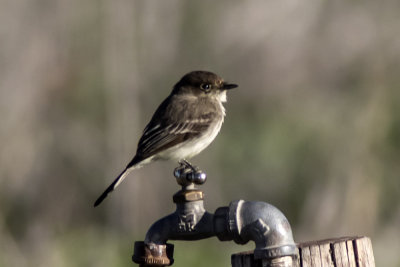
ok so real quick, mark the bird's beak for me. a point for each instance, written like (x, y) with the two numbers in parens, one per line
(227, 86)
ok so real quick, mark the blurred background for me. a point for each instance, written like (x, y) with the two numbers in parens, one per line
(314, 127)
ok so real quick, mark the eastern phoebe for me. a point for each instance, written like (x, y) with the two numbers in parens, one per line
(185, 123)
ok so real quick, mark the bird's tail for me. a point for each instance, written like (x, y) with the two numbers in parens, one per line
(113, 185)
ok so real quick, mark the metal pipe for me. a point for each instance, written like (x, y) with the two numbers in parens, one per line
(190, 221)
(256, 221)
(242, 221)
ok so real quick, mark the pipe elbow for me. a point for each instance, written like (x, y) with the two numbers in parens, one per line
(260, 222)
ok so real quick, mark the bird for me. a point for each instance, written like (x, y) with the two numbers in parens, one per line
(184, 124)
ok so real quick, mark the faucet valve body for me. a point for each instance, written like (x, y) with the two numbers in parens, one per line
(241, 222)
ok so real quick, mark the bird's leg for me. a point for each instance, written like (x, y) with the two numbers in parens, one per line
(186, 174)
(188, 165)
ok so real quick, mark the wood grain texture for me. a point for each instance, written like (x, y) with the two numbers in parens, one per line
(337, 252)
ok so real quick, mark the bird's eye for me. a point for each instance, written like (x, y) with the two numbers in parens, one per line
(205, 86)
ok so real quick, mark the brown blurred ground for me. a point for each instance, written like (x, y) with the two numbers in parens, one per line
(314, 127)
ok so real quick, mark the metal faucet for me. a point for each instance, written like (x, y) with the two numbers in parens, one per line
(241, 222)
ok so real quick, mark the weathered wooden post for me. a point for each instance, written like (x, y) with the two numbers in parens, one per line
(337, 252)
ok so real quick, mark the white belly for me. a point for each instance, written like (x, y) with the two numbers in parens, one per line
(191, 148)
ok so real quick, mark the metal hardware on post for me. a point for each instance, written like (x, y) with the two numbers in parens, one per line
(241, 222)
(153, 254)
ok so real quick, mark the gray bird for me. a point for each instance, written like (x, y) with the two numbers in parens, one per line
(185, 123)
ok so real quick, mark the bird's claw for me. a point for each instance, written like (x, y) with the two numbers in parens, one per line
(187, 173)
(188, 165)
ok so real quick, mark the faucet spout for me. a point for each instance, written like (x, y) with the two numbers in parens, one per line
(242, 221)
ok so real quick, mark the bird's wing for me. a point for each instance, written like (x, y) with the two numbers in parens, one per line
(176, 120)
(160, 137)
(167, 137)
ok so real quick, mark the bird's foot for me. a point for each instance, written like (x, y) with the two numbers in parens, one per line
(187, 173)
(188, 165)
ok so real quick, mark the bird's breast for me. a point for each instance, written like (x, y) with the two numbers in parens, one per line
(194, 146)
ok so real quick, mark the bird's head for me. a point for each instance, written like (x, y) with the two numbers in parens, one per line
(203, 83)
